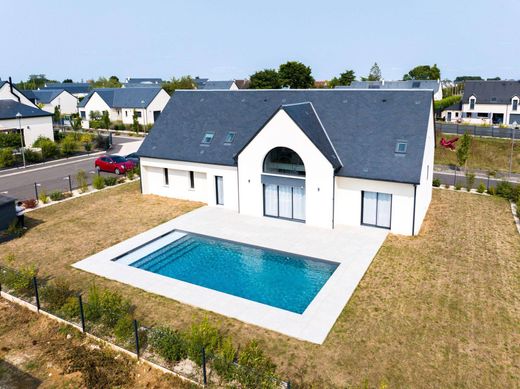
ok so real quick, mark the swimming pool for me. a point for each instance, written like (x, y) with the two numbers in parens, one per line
(275, 278)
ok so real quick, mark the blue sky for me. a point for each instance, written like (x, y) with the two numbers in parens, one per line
(225, 39)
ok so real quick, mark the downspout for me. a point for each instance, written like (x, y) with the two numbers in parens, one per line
(11, 88)
(333, 199)
(414, 204)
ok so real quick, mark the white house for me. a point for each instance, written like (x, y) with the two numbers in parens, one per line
(433, 85)
(120, 103)
(77, 89)
(322, 157)
(17, 113)
(487, 102)
(49, 99)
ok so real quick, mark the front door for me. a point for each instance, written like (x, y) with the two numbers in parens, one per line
(284, 201)
(376, 209)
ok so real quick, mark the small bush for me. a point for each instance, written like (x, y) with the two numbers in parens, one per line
(168, 343)
(255, 370)
(436, 182)
(56, 294)
(223, 361)
(98, 182)
(21, 281)
(70, 309)
(202, 334)
(42, 196)
(7, 158)
(106, 307)
(492, 191)
(470, 181)
(69, 145)
(81, 177)
(32, 156)
(447, 186)
(11, 140)
(505, 190)
(30, 203)
(458, 186)
(124, 329)
(481, 188)
(110, 181)
(49, 148)
(130, 174)
(57, 196)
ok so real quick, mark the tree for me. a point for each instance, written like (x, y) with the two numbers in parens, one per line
(68, 81)
(105, 120)
(344, 79)
(76, 122)
(423, 72)
(295, 75)
(375, 73)
(463, 150)
(468, 78)
(103, 82)
(35, 81)
(135, 121)
(265, 79)
(57, 114)
(185, 82)
(494, 79)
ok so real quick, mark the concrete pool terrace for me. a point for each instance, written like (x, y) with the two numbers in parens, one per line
(352, 247)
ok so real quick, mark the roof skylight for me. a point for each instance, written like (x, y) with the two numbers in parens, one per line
(208, 137)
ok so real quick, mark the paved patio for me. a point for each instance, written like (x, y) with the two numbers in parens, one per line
(352, 247)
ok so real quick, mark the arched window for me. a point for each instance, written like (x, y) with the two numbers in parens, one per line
(282, 160)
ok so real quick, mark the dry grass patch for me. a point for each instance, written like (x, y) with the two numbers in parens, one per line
(437, 310)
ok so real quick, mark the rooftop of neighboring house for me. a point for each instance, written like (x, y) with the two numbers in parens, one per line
(243, 84)
(45, 96)
(217, 85)
(148, 81)
(123, 97)
(71, 87)
(10, 108)
(491, 92)
(434, 85)
(356, 130)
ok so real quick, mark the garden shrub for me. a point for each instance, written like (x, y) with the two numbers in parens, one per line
(32, 156)
(55, 295)
(7, 158)
(69, 145)
(130, 174)
(492, 191)
(505, 190)
(481, 188)
(10, 140)
(202, 334)
(70, 309)
(470, 181)
(57, 195)
(98, 182)
(223, 360)
(42, 196)
(20, 281)
(458, 186)
(124, 329)
(436, 182)
(256, 370)
(168, 343)
(48, 147)
(447, 186)
(110, 181)
(106, 307)
(81, 177)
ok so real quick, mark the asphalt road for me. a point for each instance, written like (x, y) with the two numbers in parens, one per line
(20, 183)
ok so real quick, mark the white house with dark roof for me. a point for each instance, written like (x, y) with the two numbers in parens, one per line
(433, 85)
(121, 103)
(49, 99)
(17, 113)
(322, 157)
(487, 102)
(77, 89)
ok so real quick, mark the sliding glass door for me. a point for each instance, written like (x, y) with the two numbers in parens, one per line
(376, 209)
(284, 201)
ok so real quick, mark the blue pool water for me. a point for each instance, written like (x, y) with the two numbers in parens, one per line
(274, 278)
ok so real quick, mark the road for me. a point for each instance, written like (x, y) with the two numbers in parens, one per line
(51, 176)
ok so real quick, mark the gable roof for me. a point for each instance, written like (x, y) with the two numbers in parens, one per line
(43, 96)
(124, 97)
(491, 92)
(434, 85)
(9, 109)
(217, 85)
(71, 87)
(363, 126)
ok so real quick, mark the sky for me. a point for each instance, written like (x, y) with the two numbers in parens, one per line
(231, 39)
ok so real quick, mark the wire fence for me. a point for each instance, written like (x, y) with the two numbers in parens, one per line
(464, 180)
(491, 131)
(105, 320)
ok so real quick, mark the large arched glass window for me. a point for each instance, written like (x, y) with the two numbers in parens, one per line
(282, 160)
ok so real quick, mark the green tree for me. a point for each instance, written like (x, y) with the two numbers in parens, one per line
(468, 78)
(463, 150)
(493, 79)
(57, 114)
(295, 75)
(185, 82)
(344, 79)
(265, 79)
(135, 121)
(75, 122)
(103, 82)
(68, 81)
(423, 72)
(34, 81)
(375, 73)
(105, 120)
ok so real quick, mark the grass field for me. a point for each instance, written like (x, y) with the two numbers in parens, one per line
(485, 154)
(439, 310)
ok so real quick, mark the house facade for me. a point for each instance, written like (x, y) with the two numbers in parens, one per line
(120, 103)
(49, 99)
(18, 113)
(322, 157)
(433, 85)
(488, 103)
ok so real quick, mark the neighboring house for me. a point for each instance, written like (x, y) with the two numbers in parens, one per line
(433, 85)
(120, 103)
(324, 157)
(487, 102)
(217, 85)
(142, 82)
(18, 112)
(243, 84)
(49, 99)
(77, 89)
(199, 82)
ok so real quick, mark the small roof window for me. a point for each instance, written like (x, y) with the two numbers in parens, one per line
(208, 137)
(416, 84)
(230, 137)
(373, 86)
(493, 99)
(401, 147)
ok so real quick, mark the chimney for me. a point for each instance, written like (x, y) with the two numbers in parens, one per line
(11, 88)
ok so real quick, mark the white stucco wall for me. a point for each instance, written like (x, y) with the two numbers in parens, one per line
(33, 128)
(68, 103)
(281, 131)
(157, 104)
(505, 109)
(179, 181)
(5, 93)
(96, 103)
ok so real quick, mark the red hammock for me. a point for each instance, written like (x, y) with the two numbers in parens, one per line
(449, 144)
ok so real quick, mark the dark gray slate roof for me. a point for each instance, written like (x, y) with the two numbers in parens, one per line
(217, 85)
(42, 96)
(9, 109)
(200, 82)
(454, 107)
(363, 125)
(71, 87)
(409, 84)
(148, 81)
(124, 97)
(491, 92)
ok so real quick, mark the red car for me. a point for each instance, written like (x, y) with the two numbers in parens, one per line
(113, 164)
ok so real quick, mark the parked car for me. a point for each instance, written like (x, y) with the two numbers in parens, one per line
(133, 157)
(113, 164)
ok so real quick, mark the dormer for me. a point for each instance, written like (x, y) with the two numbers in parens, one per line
(472, 101)
(514, 103)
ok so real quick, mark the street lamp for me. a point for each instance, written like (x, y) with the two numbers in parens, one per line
(19, 117)
(515, 127)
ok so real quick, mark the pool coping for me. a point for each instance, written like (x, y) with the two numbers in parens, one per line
(321, 314)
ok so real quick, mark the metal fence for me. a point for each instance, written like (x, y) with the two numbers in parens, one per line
(496, 132)
(460, 179)
(121, 330)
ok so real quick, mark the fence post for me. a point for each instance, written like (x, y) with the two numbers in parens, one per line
(35, 283)
(136, 334)
(70, 184)
(204, 377)
(492, 130)
(81, 313)
(36, 190)
(288, 384)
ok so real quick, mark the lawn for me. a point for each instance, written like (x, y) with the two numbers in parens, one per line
(438, 310)
(486, 154)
